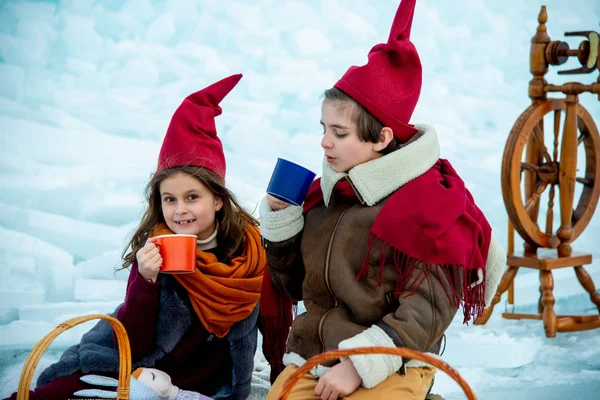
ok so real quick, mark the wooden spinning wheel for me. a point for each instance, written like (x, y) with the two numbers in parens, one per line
(542, 174)
(536, 163)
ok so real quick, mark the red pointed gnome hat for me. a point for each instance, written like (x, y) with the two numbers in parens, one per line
(388, 86)
(191, 138)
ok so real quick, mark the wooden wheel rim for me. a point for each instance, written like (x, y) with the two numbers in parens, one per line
(511, 173)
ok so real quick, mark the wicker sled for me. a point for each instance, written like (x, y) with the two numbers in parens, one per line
(400, 351)
(42, 345)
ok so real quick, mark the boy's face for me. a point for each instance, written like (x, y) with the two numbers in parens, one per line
(343, 147)
(188, 206)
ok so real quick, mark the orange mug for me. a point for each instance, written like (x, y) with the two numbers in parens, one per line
(178, 253)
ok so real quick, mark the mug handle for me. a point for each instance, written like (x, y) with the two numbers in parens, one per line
(157, 243)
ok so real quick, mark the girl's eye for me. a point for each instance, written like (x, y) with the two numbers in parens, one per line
(168, 199)
(192, 196)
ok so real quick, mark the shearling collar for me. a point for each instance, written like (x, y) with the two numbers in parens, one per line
(377, 179)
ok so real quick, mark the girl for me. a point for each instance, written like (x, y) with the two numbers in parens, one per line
(389, 242)
(199, 328)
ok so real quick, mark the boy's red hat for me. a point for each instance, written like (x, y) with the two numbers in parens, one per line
(191, 138)
(389, 85)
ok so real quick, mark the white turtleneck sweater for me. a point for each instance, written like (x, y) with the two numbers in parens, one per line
(210, 242)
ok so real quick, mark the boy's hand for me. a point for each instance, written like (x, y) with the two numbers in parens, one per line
(276, 204)
(149, 261)
(341, 380)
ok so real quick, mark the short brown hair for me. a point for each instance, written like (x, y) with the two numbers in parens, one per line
(369, 127)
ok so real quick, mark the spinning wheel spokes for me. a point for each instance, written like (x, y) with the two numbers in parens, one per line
(526, 181)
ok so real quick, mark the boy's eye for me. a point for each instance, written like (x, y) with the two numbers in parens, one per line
(336, 134)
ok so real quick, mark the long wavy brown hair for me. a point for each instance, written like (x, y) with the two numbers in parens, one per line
(233, 219)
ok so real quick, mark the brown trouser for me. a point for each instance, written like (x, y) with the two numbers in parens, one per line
(412, 386)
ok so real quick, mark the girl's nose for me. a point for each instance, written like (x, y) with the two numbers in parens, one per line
(181, 210)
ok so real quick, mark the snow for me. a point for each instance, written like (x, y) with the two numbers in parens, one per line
(87, 89)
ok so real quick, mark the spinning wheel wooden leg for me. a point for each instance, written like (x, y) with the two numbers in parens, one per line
(540, 304)
(507, 278)
(548, 315)
(588, 284)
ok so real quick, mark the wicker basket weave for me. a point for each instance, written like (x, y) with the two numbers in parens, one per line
(42, 345)
(400, 351)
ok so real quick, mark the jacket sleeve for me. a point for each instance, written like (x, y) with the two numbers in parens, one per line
(286, 267)
(282, 238)
(139, 313)
(417, 323)
(420, 319)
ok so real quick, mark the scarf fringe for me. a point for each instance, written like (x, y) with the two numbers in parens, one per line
(277, 313)
(275, 332)
(454, 278)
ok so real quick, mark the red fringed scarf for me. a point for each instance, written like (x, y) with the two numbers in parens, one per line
(274, 322)
(433, 220)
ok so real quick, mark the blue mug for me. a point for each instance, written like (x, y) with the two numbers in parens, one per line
(290, 182)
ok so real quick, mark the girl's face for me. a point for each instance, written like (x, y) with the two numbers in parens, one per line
(188, 206)
(343, 147)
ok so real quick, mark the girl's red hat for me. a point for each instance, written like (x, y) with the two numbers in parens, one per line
(191, 138)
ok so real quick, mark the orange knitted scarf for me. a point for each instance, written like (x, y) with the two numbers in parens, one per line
(223, 294)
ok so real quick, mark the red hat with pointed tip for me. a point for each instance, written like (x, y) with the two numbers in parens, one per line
(389, 85)
(191, 138)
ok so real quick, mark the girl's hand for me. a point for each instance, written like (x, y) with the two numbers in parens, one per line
(341, 380)
(149, 261)
(276, 204)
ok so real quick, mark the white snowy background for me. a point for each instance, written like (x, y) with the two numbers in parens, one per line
(87, 89)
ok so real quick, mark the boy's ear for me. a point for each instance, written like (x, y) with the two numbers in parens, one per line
(385, 137)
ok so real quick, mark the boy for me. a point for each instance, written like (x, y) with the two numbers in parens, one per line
(389, 242)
